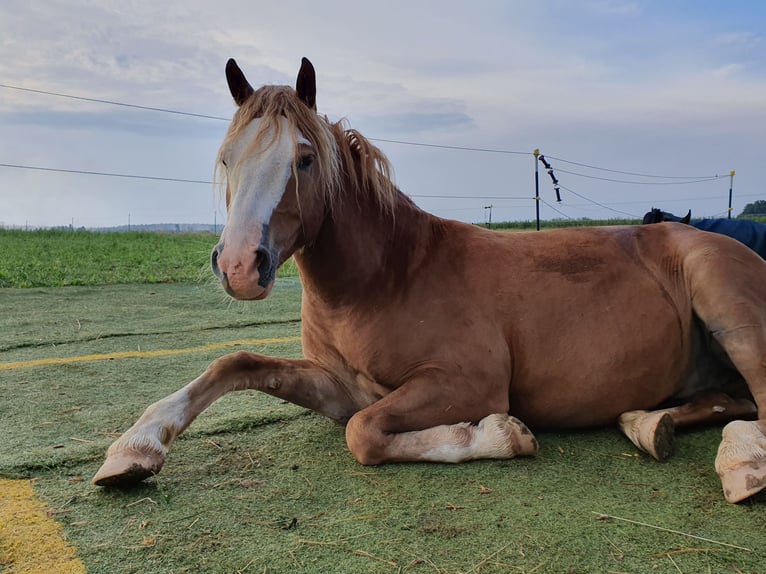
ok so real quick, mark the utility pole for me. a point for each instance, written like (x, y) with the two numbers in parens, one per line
(489, 224)
(731, 189)
(536, 153)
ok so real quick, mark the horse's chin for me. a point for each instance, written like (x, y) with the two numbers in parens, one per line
(254, 292)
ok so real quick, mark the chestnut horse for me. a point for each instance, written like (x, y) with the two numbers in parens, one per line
(434, 340)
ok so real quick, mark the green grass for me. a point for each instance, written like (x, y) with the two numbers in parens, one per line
(55, 258)
(559, 223)
(259, 485)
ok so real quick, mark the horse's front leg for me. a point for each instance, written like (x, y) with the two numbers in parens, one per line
(438, 418)
(140, 452)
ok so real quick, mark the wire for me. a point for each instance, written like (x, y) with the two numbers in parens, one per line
(206, 116)
(498, 197)
(455, 147)
(632, 172)
(391, 141)
(700, 180)
(208, 182)
(554, 209)
(597, 203)
(104, 174)
(113, 103)
(686, 180)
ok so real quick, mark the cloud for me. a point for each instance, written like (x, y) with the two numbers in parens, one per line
(410, 124)
(603, 81)
(747, 40)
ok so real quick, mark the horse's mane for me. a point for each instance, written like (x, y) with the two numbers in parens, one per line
(341, 153)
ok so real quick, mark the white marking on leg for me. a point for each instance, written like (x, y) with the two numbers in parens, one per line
(497, 436)
(160, 424)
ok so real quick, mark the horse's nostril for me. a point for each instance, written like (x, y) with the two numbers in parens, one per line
(214, 261)
(261, 257)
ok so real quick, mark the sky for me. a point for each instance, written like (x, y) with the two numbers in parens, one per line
(635, 104)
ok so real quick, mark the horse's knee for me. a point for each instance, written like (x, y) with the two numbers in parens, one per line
(364, 439)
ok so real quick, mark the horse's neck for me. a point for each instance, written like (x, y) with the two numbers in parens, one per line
(363, 251)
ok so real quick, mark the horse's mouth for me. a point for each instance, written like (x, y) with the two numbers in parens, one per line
(250, 292)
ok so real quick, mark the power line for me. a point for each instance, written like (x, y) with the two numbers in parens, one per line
(210, 117)
(632, 172)
(384, 140)
(208, 182)
(454, 147)
(699, 180)
(554, 209)
(113, 103)
(103, 173)
(498, 197)
(597, 203)
(686, 180)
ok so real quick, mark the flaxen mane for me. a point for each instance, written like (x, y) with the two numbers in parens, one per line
(340, 152)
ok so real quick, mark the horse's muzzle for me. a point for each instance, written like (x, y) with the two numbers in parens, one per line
(245, 279)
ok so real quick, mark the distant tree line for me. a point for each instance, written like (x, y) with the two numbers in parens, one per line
(755, 209)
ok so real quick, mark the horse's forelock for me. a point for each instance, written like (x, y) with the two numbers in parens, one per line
(340, 152)
(270, 103)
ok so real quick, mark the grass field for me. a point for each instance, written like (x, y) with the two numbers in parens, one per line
(256, 485)
(55, 258)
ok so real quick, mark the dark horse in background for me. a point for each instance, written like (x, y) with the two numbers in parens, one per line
(751, 233)
(438, 341)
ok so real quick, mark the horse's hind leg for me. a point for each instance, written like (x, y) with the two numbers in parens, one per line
(730, 299)
(140, 452)
(654, 431)
(741, 459)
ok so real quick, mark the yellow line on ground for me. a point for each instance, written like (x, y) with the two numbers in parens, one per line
(31, 541)
(141, 354)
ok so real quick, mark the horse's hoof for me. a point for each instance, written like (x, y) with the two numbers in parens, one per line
(503, 436)
(524, 442)
(652, 432)
(741, 460)
(127, 467)
(743, 481)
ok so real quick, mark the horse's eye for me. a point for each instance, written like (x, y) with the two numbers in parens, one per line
(305, 161)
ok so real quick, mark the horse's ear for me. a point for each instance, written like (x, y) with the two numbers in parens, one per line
(238, 85)
(653, 216)
(306, 84)
(687, 218)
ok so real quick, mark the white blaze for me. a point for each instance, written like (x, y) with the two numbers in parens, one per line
(257, 178)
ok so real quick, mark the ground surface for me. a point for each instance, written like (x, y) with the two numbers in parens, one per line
(256, 485)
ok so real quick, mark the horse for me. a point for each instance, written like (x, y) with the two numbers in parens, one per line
(438, 341)
(751, 233)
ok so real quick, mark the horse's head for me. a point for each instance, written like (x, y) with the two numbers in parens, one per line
(658, 216)
(279, 164)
